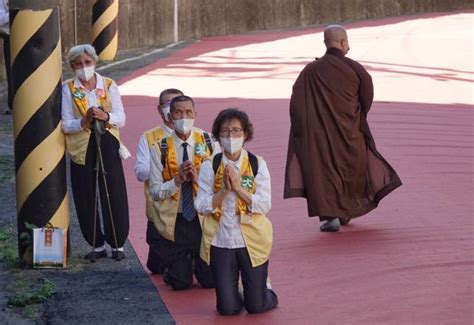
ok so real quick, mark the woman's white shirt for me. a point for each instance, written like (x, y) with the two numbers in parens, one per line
(229, 234)
(71, 124)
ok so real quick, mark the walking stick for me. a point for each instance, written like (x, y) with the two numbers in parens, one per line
(96, 207)
(98, 131)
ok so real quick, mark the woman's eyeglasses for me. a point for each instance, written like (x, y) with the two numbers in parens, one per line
(234, 131)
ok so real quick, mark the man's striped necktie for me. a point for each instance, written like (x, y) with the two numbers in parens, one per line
(187, 200)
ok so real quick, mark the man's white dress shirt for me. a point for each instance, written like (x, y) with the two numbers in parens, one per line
(159, 189)
(142, 162)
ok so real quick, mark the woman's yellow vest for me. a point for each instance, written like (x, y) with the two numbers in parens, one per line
(168, 208)
(76, 143)
(257, 234)
(152, 136)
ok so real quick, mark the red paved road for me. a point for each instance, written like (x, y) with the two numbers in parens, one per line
(408, 262)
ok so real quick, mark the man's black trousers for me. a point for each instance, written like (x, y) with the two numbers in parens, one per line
(181, 257)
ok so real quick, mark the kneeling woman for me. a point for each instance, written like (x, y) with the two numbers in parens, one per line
(235, 195)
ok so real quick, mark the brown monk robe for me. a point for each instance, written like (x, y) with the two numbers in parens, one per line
(332, 159)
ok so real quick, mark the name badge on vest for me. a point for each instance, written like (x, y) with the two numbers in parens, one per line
(247, 182)
(78, 94)
(200, 149)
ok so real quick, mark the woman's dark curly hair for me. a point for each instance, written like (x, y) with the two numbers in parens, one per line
(229, 114)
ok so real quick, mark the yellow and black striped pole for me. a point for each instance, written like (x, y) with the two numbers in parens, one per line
(40, 162)
(105, 28)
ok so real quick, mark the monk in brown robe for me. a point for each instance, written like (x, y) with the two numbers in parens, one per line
(332, 159)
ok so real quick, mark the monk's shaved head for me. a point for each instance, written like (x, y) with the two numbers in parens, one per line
(335, 36)
(334, 33)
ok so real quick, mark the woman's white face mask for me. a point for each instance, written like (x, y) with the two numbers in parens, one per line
(232, 145)
(85, 73)
(184, 125)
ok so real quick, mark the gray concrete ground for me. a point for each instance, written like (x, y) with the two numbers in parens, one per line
(105, 292)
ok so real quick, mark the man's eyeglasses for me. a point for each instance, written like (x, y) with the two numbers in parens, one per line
(234, 131)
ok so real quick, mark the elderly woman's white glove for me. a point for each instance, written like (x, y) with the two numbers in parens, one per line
(123, 152)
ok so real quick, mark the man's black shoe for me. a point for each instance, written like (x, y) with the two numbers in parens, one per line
(95, 255)
(118, 255)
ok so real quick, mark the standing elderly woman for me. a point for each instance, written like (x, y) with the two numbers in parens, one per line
(90, 101)
(235, 195)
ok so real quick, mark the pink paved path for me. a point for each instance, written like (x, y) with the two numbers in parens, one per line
(408, 262)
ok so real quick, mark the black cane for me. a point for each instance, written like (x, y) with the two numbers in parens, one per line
(98, 131)
(96, 207)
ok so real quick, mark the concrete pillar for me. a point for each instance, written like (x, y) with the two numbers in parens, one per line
(40, 162)
(105, 28)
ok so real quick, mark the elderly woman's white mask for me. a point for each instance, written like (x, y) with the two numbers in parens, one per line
(85, 73)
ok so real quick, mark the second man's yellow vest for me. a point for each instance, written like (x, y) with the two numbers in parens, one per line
(152, 136)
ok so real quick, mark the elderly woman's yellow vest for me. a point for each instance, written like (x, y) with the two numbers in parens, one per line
(257, 234)
(168, 208)
(76, 143)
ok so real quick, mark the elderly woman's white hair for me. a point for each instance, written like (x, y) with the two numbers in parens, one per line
(78, 50)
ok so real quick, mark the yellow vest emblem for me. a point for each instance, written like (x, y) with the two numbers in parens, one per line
(247, 182)
(200, 149)
(78, 94)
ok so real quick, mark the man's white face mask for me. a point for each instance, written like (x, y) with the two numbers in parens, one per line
(232, 145)
(166, 111)
(184, 125)
(85, 73)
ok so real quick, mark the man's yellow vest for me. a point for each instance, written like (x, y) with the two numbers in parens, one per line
(168, 208)
(258, 234)
(152, 136)
(76, 143)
